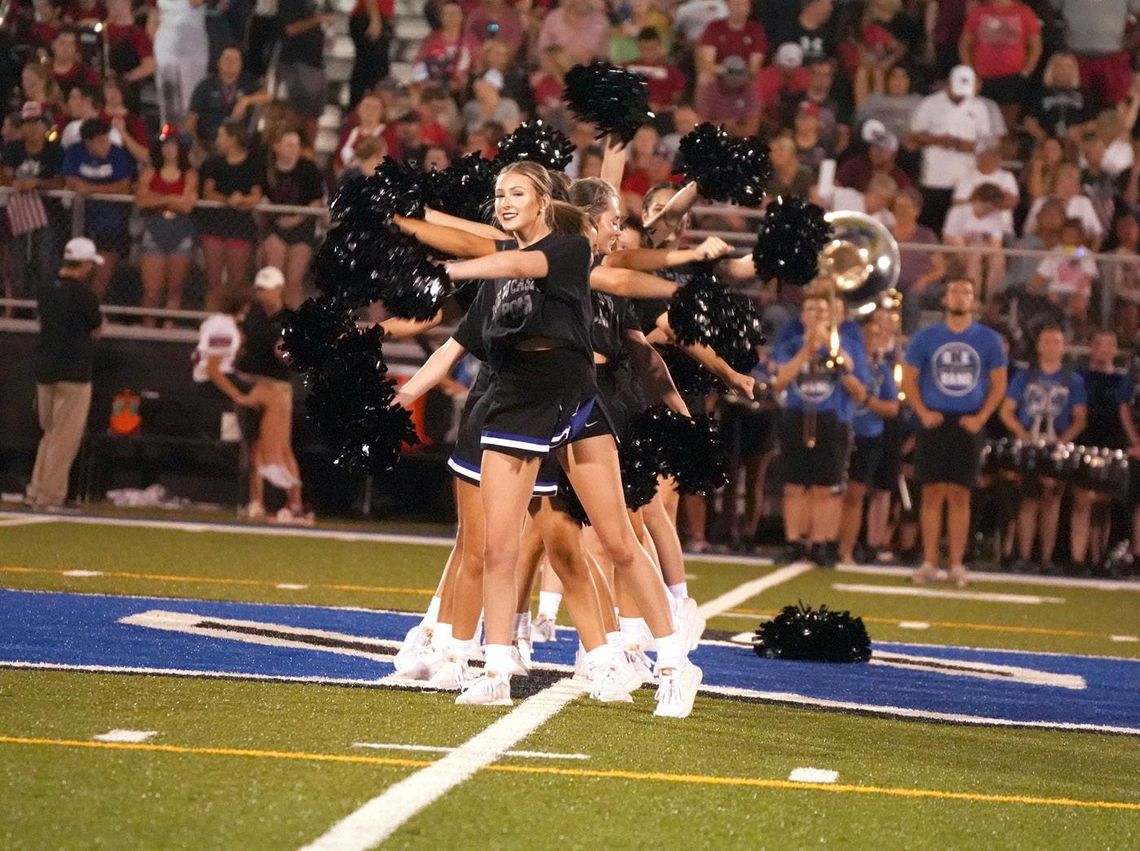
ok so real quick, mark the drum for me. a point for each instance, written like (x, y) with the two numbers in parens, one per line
(1103, 470)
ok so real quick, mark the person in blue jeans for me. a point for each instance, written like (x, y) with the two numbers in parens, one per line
(955, 378)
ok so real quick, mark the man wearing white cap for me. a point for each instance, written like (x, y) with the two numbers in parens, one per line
(69, 323)
(947, 127)
(260, 361)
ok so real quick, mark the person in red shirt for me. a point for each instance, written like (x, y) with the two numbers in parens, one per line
(136, 138)
(666, 83)
(1001, 41)
(46, 22)
(84, 11)
(498, 20)
(130, 52)
(548, 82)
(66, 67)
(735, 35)
(446, 55)
(776, 84)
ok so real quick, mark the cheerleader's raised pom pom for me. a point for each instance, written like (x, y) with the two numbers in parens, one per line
(464, 189)
(312, 332)
(537, 142)
(612, 99)
(726, 168)
(395, 188)
(687, 448)
(694, 307)
(350, 266)
(803, 634)
(706, 312)
(419, 290)
(789, 240)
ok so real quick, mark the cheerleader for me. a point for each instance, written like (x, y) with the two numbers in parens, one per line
(535, 327)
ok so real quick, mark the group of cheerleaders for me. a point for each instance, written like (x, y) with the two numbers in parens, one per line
(563, 319)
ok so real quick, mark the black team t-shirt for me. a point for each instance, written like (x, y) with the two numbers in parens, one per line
(261, 334)
(226, 222)
(69, 312)
(648, 310)
(556, 307)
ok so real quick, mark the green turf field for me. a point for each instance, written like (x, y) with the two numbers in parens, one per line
(248, 764)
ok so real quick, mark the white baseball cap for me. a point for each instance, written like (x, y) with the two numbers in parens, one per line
(963, 81)
(789, 55)
(269, 278)
(82, 250)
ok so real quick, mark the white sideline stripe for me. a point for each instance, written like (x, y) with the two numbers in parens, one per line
(727, 691)
(913, 625)
(383, 815)
(392, 746)
(131, 736)
(1123, 638)
(290, 586)
(813, 775)
(23, 520)
(83, 573)
(750, 589)
(975, 596)
(977, 576)
(978, 670)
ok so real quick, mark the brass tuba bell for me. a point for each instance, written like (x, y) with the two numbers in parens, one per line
(861, 261)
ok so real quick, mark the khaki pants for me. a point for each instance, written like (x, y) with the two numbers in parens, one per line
(63, 408)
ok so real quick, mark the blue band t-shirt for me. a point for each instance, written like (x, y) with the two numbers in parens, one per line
(882, 386)
(1045, 398)
(954, 369)
(822, 390)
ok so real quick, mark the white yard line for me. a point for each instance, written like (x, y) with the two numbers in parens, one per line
(813, 775)
(977, 576)
(750, 589)
(393, 746)
(130, 736)
(973, 596)
(8, 520)
(378, 819)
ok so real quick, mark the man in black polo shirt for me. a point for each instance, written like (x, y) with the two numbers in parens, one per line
(69, 323)
(230, 93)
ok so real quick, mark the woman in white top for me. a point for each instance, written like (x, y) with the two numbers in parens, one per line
(182, 54)
(1077, 206)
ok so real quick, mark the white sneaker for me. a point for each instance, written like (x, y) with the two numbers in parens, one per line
(490, 689)
(924, 574)
(641, 664)
(677, 692)
(416, 658)
(960, 576)
(254, 511)
(453, 675)
(520, 667)
(689, 621)
(631, 678)
(525, 651)
(582, 673)
(542, 629)
(610, 685)
(288, 517)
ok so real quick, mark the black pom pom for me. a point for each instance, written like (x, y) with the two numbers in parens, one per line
(789, 240)
(418, 290)
(688, 449)
(312, 331)
(350, 402)
(465, 189)
(708, 313)
(612, 99)
(394, 189)
(639, 466)
(726, 168)
(804, 634)
(350, 266)
(537, 142)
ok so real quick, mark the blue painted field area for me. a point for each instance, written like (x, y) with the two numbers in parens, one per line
(85, 631)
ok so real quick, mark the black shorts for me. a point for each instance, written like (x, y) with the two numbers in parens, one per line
(302, 234)
(112, 242)
(865, 460)
(466, 459)
(1011, 89)
(611, 404)
(948, 454)
(746, 432)
(540, 401)
(886, 475)
(824, 465)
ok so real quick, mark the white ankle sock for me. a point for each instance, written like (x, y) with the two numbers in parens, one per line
(680, 590)
(432, 613)
(631, 631)
(670, 651)
(498, 659)
(599, 657)
(548, 603)
(614, 642)
(522, 625)
(441, 635)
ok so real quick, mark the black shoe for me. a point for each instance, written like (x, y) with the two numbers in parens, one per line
(795, 551)
(825, 554)
(1021, 566)
(1050, 568)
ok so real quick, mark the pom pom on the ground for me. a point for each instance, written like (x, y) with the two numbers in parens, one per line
(725, 168)
(537, 142)
(613, 99)
(687, 448)
(789, 240)
(395, 188)
(350, 402)
(803, 634)
(312, 331)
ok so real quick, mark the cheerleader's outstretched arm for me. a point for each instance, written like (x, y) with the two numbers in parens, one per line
(435, 369)
(449, 240)
(630, 284)
(486, 231)
(651, 368)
